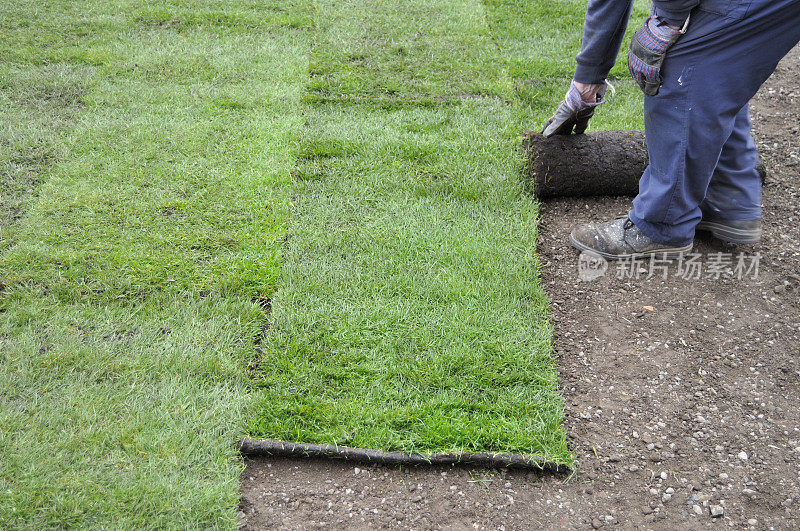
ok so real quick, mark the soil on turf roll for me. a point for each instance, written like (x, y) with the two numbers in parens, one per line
(275, 448)
(605, 163)
(602, 163)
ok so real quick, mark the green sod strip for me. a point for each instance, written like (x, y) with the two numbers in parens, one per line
(410, 316)
(424, 52)
(37, 102)
(175, 179)
(540, 39)
(403, 323)
(162, 141)
(122, 415)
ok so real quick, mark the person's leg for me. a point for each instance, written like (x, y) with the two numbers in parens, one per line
(732, 206)
(709, 76)
(734, 192)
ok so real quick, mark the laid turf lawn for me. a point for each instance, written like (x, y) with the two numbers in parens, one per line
(539, 40)
(422, 52)
(409, 316)
(167, 169)
(122, 414)
(146, 156)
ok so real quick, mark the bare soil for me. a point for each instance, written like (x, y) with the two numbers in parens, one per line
(682, 396)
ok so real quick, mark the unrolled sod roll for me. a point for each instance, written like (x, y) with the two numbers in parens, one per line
(601, 163)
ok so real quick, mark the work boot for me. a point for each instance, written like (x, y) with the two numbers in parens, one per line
(732, 231)
(620, 239)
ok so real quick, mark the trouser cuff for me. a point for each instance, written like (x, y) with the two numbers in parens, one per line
(660, 232)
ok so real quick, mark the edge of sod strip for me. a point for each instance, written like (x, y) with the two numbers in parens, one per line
(275, 448)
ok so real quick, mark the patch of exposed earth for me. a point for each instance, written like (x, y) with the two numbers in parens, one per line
(682, 394)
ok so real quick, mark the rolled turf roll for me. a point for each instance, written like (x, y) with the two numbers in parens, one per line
(601, 163)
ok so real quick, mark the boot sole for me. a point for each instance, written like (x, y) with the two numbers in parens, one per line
(730, 234)
(667, 253)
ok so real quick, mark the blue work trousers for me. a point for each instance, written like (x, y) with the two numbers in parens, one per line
(702, 157)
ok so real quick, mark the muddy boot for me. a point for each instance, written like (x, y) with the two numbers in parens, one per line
(620, 239)
(732, 231)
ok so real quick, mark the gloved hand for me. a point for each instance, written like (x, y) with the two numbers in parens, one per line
(573, 112)
(648, 48)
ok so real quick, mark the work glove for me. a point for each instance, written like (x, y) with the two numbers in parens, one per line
(648, 48)
(573, 113)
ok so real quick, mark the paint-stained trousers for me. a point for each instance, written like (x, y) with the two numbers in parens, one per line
(702, 157)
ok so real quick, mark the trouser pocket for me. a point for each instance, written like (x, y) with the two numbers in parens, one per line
(730, 9)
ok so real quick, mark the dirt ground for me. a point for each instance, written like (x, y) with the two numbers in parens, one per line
(682, 395)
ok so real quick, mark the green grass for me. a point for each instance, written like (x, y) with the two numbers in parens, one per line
(123, 414)
(37, 102)
(166, 168)
(410, 316)
(539, 40)
(424, 52)
(146, 156)
(176, 172)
